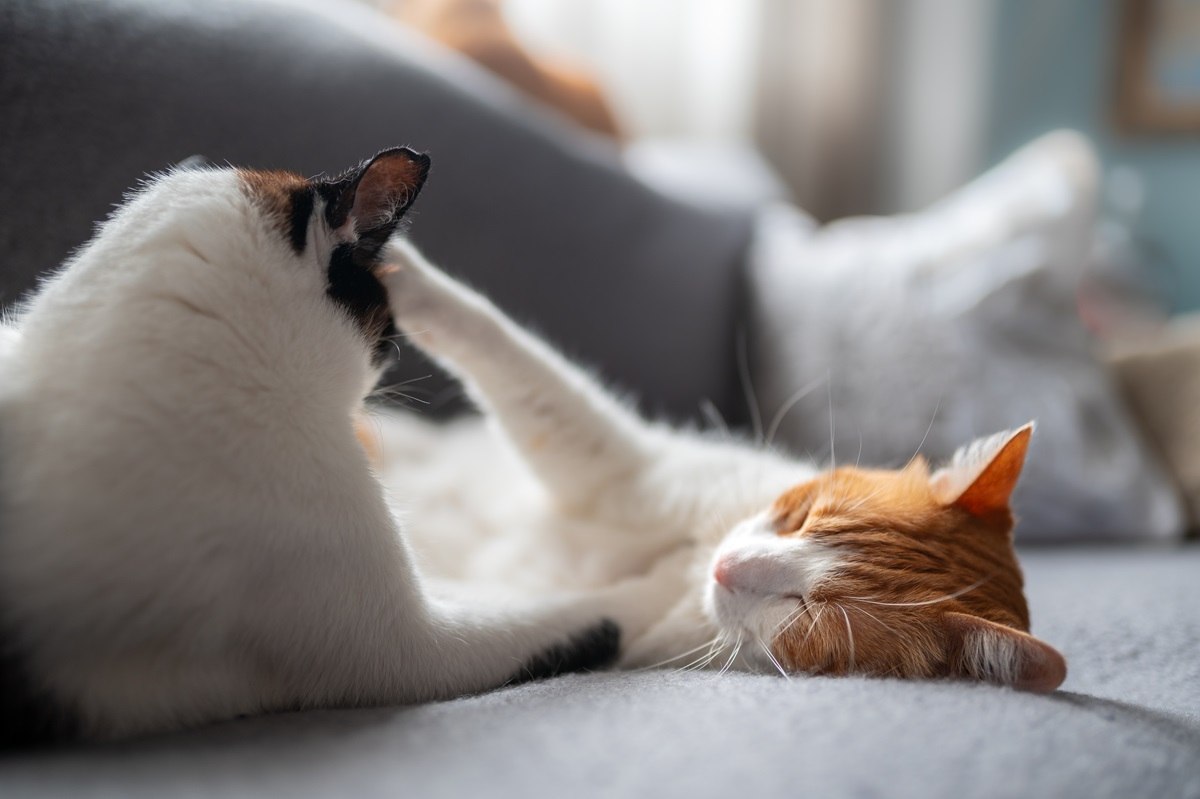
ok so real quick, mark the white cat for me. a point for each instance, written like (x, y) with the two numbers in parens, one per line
(782, 566)
(189, 529)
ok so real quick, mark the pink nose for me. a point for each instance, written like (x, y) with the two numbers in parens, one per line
(723, 573)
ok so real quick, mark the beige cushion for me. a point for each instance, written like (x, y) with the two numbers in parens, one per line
(1161, 378)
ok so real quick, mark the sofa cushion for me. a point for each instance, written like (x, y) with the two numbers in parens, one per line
(924, 331)
(542, 217)
(1124, 724)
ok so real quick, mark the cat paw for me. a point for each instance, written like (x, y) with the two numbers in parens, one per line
(588, 650)
(639, 603)
(433, 308)
(410, 282)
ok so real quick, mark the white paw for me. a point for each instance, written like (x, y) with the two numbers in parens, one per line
(639, 603)
(411, 284)
(424, 298)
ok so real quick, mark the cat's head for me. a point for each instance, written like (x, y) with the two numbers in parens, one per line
(340, 225)
(909, 573)
(269, 268)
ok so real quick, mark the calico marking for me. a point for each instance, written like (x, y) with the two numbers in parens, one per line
(592, 649)
(363, 297)
(287, 199)
(370, 198)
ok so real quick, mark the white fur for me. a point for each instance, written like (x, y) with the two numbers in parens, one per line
(564, 486)
(576, 488)
(190, 528)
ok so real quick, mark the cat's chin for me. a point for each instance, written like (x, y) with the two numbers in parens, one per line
(738, 612)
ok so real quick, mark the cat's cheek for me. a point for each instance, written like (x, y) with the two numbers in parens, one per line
(733, 611)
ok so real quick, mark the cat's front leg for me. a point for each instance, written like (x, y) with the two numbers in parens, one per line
(478, 649)
(582, 443)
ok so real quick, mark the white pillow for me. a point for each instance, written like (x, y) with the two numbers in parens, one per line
(938, 327)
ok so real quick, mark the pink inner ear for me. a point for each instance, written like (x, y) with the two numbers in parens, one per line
(386, 188)
(982, 477)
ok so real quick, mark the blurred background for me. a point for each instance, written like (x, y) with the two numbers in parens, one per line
(863, 106)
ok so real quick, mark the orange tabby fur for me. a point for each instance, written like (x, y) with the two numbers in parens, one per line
(951, 586)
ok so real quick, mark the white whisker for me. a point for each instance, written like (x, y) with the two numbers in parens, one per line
(770, 656)
(733, 656)
(748, 388)
(945, 598)
(849, 634)
(877, 620)
(832, 440)
(704, 660)
(788, 405)
(813, 626)
(661, 663)
(791, 618)
(932, 419)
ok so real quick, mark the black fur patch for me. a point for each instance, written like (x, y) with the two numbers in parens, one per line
(29, 716)
(353, 285)
(592, 649)
(300, 211)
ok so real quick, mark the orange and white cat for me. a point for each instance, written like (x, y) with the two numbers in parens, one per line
(190, 531)
(775, 564)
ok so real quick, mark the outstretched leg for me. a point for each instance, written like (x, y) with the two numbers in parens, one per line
(580, 442)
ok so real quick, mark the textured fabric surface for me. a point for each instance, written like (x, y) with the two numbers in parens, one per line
(95, 93)
(924, 331)
(1127, 723)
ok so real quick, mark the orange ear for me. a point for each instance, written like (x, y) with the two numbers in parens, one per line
(981, 476)
(997, 654)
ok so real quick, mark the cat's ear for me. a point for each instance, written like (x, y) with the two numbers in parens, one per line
(981, 476)
(985, 650)
(373, 196)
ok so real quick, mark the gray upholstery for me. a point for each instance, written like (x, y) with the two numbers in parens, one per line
(95, 93)
(1126, 724)
(92, 94)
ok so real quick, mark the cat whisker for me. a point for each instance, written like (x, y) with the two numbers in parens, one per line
(849, 633)
(409, 381)
(813, 626)
(661, 663)
(832, 440)
(922, 603)
(401, 395)
(705, 660)
(733, 656)
(792, 617)
(790, 403)
(932, 419)
(877, 620)
(748, 388)
(774, 662)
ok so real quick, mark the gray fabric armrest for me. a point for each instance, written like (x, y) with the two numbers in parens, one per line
(543, 218)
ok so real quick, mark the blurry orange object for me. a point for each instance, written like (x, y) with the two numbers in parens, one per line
(476, 28)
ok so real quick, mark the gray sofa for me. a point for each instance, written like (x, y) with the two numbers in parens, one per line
(94, 94)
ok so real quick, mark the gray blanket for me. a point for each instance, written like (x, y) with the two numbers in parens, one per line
(1126, 724)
